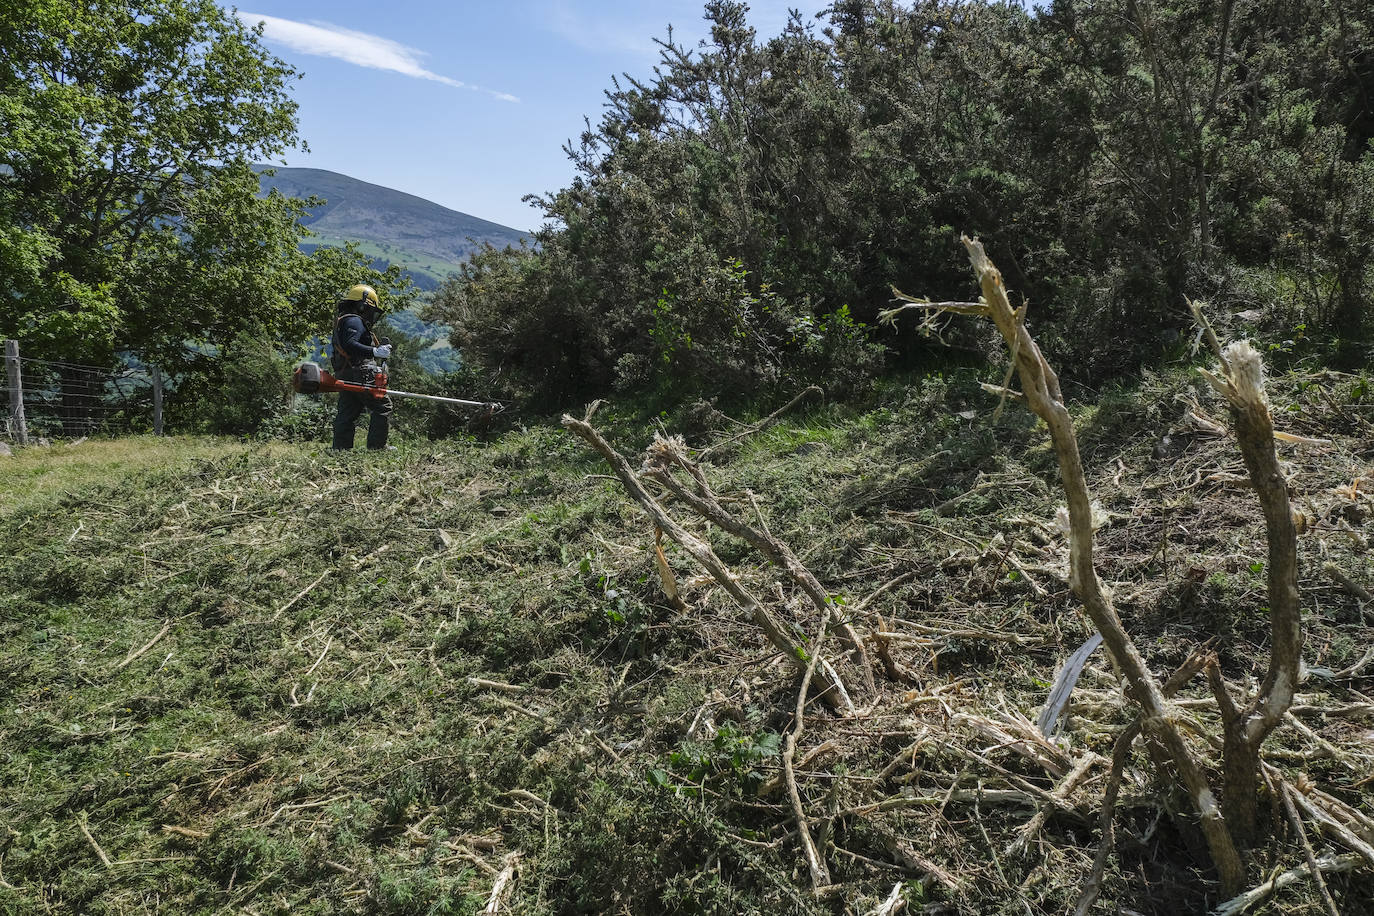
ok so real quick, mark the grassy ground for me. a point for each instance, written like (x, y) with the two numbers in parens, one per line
(40, 473)
(247, 678)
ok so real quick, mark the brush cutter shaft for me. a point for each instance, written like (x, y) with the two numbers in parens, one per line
(434, 397)
(310, 379)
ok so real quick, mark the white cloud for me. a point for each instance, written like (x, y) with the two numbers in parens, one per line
(327, 40)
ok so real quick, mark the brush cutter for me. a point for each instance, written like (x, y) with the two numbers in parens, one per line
(309, 378)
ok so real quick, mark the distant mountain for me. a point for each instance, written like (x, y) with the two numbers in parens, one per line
(390, 226)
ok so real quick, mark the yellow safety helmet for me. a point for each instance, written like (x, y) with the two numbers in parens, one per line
(362, 300)
(364, 294)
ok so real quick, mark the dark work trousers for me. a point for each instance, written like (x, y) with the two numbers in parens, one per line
(351, 407)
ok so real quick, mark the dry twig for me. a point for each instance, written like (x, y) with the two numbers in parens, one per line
(1327, 864)
(820, 875)
(104, 859)
(1065, 788)
(832, 688)
(301, 594)
(134, 656)
(1286, 793)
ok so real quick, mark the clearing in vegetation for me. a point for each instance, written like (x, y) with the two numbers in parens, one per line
(451, 680)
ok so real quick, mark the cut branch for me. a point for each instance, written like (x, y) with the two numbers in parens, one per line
(832, 689)
(136, 655)
(502, 882)
(665, 454)
(820, 875)
(1040, 385)
(104, 859)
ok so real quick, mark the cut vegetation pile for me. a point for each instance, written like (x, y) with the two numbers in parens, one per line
(450, 680)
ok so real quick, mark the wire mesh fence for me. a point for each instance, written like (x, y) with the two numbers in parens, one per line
(62, 400)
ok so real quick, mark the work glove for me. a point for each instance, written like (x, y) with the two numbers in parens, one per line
(382, 352)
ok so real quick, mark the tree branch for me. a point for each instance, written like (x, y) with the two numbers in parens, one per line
(1040, 385)
(832, 688)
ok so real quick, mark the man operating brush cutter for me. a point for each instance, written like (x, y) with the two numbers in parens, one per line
(359, 358)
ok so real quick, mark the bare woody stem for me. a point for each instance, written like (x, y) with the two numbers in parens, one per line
(832, 689)
(1242, 384)
(1040, 385)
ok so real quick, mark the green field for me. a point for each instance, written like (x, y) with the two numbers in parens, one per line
(417, 262)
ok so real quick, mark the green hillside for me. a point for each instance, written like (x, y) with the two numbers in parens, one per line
(391, 227)
(427, 239)
(427, 270)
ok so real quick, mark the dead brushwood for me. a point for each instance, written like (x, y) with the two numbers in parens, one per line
(666, 577)
(86, 832)
(1246, 719)
(1120, 753)
(186, 832)
(1040, 385)
(816, 753)
(664, 455)
(1026, 742)
(832, 689)
(1350, 585)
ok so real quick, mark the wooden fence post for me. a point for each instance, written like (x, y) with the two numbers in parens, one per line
(157, 401)
(15, 381)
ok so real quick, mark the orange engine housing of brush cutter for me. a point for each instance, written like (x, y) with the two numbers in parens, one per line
(309, 378)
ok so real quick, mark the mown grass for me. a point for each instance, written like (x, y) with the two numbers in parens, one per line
(371, 683)
(65, 467)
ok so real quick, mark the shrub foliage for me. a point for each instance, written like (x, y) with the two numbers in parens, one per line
(1114, 156)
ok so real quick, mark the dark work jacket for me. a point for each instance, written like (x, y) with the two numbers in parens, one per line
(352, 343)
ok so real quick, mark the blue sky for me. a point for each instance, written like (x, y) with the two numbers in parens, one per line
(466, 104)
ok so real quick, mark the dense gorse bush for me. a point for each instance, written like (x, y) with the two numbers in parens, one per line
(1115, 157)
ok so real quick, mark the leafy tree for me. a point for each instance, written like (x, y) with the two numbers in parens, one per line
(1115, 156)
(132, 216)
(1178, 147)
(657, 276)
